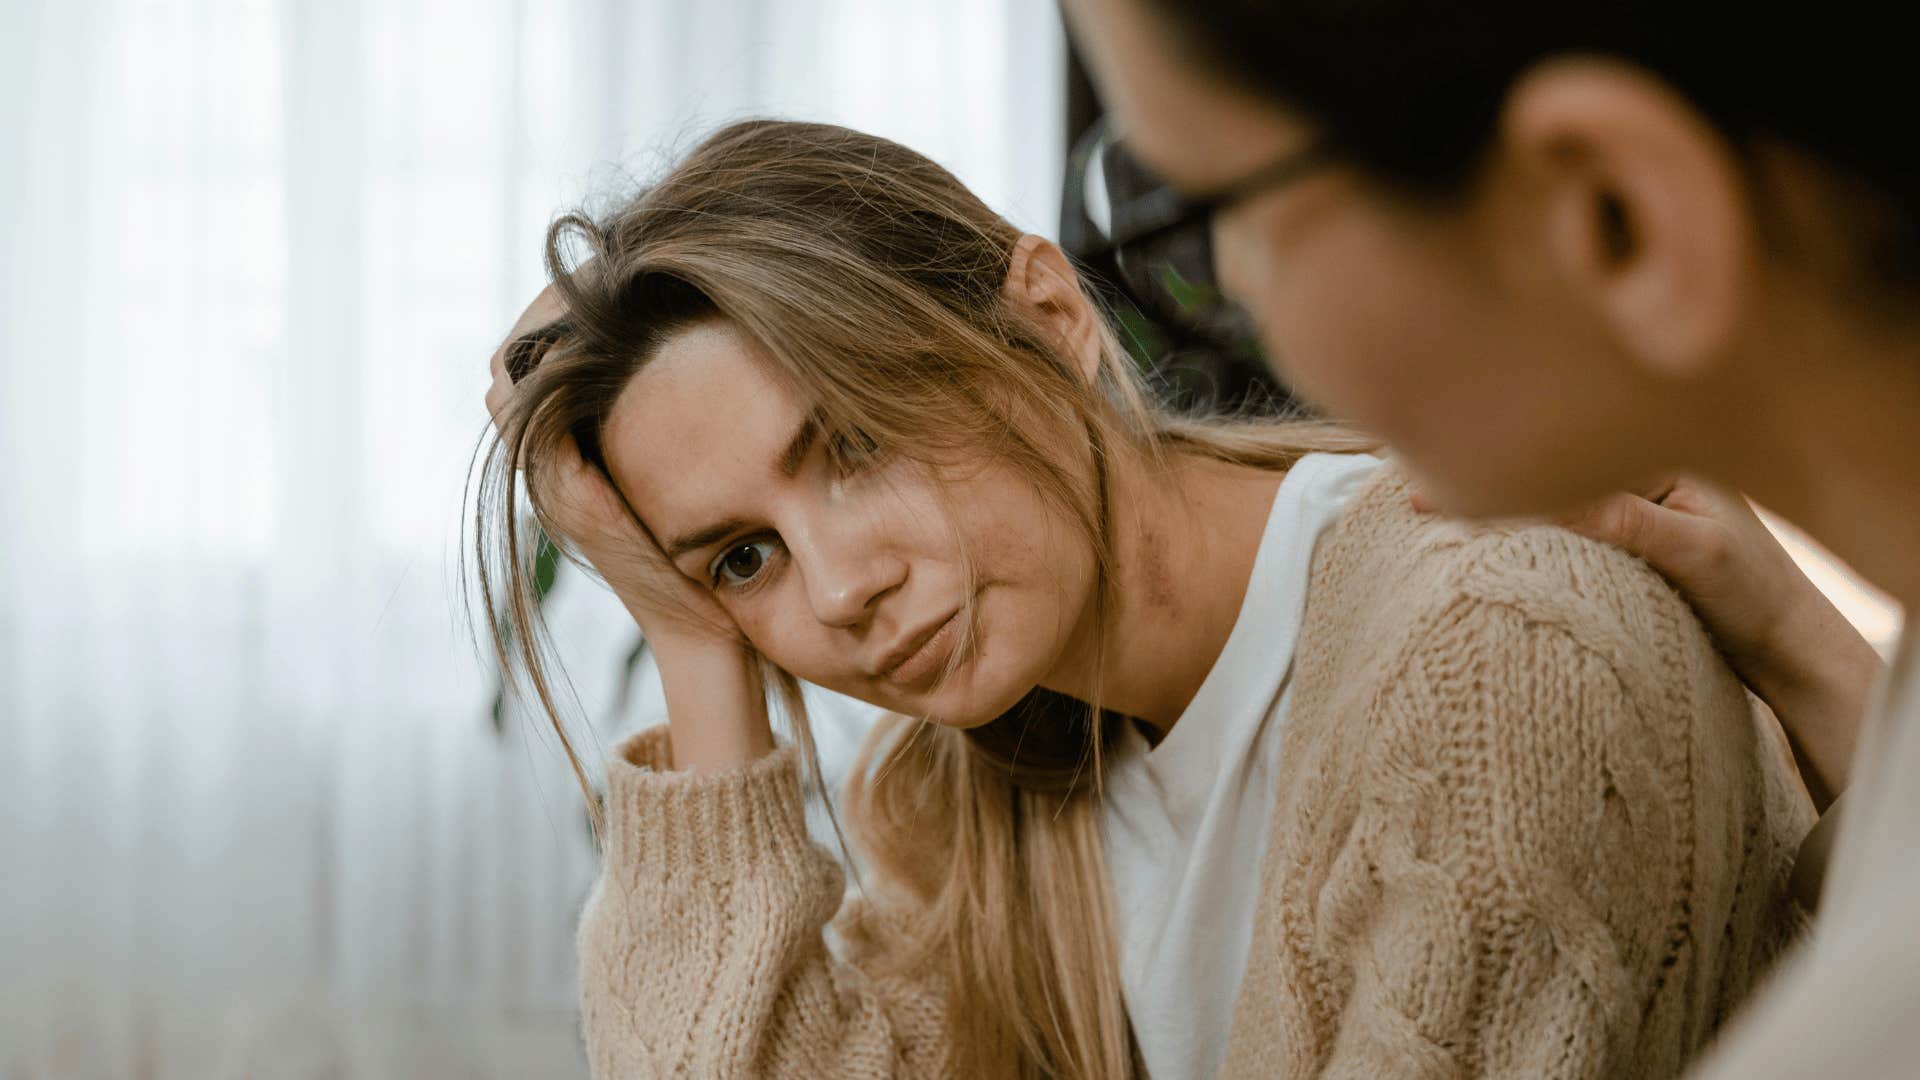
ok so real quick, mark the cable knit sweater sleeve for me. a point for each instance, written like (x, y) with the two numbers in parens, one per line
(702, 950)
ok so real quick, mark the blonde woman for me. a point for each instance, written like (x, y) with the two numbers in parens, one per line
(1205, 748)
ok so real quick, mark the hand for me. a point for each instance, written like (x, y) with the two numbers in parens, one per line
(707, 668)
(582, 509)
(1776, 629)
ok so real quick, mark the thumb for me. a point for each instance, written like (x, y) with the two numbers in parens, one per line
(1655, 533)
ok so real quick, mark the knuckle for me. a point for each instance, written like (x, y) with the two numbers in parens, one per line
(1635, 526)
(1612, 521)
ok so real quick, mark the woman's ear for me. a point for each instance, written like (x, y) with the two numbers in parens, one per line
(1643, 205)
(1040, 279)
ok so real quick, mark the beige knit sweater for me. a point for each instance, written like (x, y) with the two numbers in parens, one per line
(1528, 826)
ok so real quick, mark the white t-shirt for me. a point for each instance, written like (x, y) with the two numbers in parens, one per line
(1848, 1003)
(1185, 822)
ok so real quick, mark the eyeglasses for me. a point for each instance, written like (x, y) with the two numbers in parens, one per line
(1162, 243)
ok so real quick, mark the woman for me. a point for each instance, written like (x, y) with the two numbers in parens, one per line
(1675, 243)
(1208, 748)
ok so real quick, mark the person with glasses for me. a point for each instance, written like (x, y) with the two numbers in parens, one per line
(1553, 251)
(1203, 746)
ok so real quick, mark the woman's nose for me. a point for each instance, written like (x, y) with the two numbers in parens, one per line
(847, 571)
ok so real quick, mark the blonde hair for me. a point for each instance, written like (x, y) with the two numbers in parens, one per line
(873, 279)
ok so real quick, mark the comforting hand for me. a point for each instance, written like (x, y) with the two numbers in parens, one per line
(707, 667)
(1778, 631)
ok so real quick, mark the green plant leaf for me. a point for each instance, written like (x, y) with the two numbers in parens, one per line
(498, 713)
(1186, 293)
(623, 690)
(1141, 336)
(546, 567)
(546, 574)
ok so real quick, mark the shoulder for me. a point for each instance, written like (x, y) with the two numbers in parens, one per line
(1428, 639)
(1415, 582)
(1508, 696)
(1516, 748)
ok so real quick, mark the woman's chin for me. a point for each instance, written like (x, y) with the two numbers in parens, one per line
(976, 693)
(968, 701)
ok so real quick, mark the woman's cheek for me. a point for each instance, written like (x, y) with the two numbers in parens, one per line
(769, 635)
(782, 629)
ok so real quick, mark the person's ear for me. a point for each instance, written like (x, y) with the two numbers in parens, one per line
(1040, 279)
(1644, 205)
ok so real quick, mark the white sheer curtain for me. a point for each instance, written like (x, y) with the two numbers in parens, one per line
(253, 817)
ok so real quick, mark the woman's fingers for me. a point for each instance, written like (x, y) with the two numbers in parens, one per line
(501, 388)
(591, 514)
(1679, 526)
(1676, 543)
(582, 509)
(579, 502)
(545, 309)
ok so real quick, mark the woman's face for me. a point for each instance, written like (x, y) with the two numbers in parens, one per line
(845, 573)
(1438, 329)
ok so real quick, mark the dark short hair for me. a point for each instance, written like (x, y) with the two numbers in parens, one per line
(1411, 89)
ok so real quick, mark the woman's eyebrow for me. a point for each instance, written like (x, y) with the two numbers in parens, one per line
(802, 441)
(789, 463)
(701, 538)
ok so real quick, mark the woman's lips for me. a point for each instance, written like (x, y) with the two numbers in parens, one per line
(930, 658)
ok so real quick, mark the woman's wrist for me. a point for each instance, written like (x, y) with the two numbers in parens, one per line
(716, 703)
(1817, 678)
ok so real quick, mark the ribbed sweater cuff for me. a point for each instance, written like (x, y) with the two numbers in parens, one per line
(743, 823)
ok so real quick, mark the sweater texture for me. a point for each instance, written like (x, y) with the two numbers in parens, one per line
(1529, 825)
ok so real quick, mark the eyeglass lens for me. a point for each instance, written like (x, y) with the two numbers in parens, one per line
(1171, 269)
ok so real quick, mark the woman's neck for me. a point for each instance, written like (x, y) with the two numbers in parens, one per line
(1184, 543)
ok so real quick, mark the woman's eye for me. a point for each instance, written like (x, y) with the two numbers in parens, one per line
(743, 563)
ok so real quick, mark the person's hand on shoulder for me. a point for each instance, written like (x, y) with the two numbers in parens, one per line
(1778, 631)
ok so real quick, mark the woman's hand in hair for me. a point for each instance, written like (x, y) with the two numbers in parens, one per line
(1777, 629)
(583, 511)
(716, 706)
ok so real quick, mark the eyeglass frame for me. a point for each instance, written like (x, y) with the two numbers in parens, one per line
(1184, 213)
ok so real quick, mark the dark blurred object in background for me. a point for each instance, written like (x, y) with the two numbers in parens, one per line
(1199, 355)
